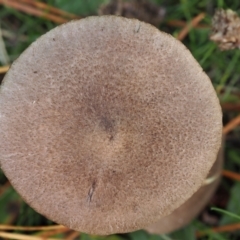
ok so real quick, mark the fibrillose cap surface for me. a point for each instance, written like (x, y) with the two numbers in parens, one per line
(189, 210)
(107, 124)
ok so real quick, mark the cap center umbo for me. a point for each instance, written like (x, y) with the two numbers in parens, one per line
(108, 125)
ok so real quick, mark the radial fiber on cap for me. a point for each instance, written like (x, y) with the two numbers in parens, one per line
(107, 124)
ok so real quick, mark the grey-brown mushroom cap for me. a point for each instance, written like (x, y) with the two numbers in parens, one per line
(107, 124)
(184, 214)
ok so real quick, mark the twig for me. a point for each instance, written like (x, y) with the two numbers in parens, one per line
(232, 175)
(33, 11)
(226, 228)
(231, 125)
(183, 33)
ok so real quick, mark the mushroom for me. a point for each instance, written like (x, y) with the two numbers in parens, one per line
(184, 214)
(107, 125)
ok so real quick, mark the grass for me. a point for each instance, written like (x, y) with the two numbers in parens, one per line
(21, 29)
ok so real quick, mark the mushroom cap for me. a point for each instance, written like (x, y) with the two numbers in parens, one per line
(107, 124)
(184, 214)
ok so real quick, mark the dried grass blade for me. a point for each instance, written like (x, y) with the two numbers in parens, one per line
(226, 228)
(4, 69)
(50, 9)
(183, 33)
(33, 11)
(18, 236)
(232, 175)
(231, 125)
(22, 228)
